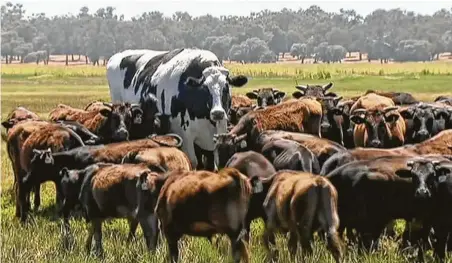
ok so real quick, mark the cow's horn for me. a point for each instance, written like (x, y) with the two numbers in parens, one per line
(390, 108)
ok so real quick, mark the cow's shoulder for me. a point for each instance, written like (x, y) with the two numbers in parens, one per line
(144, 77)
(129, 63)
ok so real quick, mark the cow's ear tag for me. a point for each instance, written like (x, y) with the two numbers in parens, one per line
(138, 120)
(243, 144)
(144, 186)
(442, 178)
(258, 187)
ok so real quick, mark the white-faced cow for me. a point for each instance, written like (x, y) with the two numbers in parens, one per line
(191, 85)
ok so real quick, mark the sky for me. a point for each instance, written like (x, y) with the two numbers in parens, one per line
(132, 8)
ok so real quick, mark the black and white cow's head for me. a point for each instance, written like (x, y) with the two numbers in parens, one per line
(215, 81)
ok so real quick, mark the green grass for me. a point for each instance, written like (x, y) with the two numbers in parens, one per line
(41, 88)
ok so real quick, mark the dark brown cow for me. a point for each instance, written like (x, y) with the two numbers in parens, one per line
(113, 124)
(322, 148)
(290, 155)
(298, 203)
(253, 165)
(97, 105)
(266, 96)
(108, 191)
(432, 184)
(378, 124)
(80, 157)
(372, 193)
(444, 99)
(201, 203)
(55, 137)
(439, 144)
(317, 91)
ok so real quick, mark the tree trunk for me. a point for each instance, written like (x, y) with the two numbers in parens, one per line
(349, 54)
(302, 61)
(86, 60)
(437, 56)
(78, 57)
(67, 59)
(368, 60)
(22, 59)
(37, 60)
(360, 56)
(6, 59)
(282, 55)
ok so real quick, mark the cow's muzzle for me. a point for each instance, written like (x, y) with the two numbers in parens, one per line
(217, 115)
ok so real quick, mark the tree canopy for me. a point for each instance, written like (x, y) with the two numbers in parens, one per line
(259, 37)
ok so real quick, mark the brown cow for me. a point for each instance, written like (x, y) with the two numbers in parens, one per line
(378, 124)
(399, 98)
(113, 123)
(170, 158)
(293, 115)
(53, 136)
(109, 191)
(239, 101)
(14, 142)
(202, 203)
(299, 202)
(96, 105)
(18, 115)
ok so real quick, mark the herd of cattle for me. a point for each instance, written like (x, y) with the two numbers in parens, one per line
(312, 163)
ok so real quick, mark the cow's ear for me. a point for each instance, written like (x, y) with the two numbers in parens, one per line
(280, 94)
(392, 118)
(406, 114)
(64, 172)
(441, 113)
(297, 94)
(338, 111)
(105, 112)
(404, 173)
(251, 95)
(7, 124)
(357, 119)
(238, 81)
(256, 184)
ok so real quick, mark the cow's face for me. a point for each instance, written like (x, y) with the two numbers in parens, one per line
(70, 184)
(377, 124)
(217, 82)
(330, 110)
(426, 175)
(317, 91)
(120, 118)
(266, 96)
(41, 161)
(226, 145)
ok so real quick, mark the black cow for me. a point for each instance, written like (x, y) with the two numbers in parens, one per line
(266, 96)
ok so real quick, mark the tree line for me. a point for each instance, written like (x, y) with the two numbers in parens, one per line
(259, 37)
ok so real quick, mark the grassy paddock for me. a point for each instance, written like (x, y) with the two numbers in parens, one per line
(40, 88)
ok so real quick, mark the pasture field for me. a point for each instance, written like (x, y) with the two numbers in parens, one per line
(41, 88)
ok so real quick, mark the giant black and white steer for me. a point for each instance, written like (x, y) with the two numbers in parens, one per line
(191, 86)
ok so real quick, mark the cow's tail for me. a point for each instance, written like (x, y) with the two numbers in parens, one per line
(328, 217)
